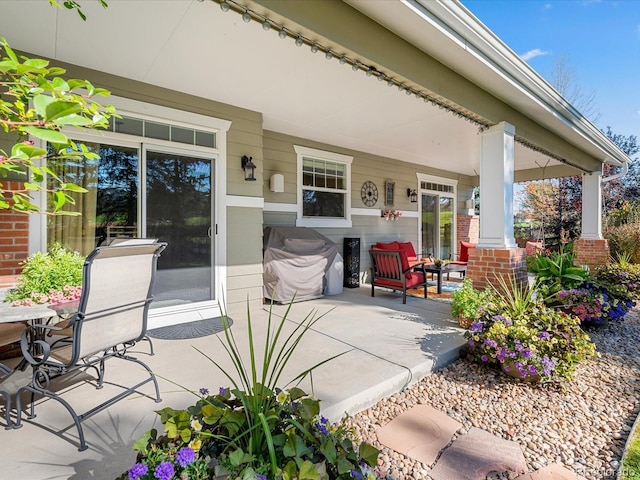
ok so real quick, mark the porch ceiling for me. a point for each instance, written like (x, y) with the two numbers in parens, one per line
(196, 48)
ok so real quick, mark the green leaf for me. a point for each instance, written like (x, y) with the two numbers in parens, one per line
(59, 200)
(295, 393)
(238, 457)
(308, 471)
(328, 449)
(185, 435)
(73, 188)
(31, 186)
(344, 465)
(75, 120)
(369, 454)
(25, 151)
(142, 444)
(52, 136)
(40, 103)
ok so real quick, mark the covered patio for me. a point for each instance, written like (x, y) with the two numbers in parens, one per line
(387, 346)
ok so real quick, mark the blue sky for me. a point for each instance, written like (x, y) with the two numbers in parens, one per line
(599, 38)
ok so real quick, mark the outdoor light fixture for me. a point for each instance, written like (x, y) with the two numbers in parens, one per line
(413, 195)
(249, 169)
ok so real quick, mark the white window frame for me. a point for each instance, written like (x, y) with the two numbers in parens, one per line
(302, 221)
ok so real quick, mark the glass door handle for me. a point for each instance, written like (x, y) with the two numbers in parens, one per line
(209, 232)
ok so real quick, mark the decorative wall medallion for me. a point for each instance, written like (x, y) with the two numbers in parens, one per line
(369, 193)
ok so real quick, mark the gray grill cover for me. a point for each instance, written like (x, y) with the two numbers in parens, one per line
(296, 260)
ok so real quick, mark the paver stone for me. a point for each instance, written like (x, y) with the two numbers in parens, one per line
(419, 433)
(477, 454)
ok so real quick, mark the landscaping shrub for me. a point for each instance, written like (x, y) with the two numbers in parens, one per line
(254, 430)
(539, 341)
(48, 277)
(555, 271)
(624, 240)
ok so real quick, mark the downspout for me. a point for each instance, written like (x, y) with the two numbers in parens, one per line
(625, 169)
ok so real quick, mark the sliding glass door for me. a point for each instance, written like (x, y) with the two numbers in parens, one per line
(135, 191)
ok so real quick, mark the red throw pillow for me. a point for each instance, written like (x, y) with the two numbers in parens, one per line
(408, 249)
(388, 246)
(464, 250)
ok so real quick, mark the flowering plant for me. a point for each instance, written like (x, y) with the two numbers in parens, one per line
(391, 215)
(206, 440)
(543, 341)
(522, 335)
(254, 430)
(593, 302)
(49, 277)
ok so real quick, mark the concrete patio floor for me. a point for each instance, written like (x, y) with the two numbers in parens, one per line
(388, 345)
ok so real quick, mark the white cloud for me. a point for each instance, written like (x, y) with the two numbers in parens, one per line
(536, 52)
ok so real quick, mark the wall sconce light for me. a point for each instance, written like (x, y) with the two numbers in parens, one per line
(413, 195)
(468, 204)
(249, 169)
(276, 183)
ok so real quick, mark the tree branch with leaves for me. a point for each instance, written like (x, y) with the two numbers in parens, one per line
(37, 103)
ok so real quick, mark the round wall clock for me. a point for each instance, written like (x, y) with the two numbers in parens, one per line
(369, 193)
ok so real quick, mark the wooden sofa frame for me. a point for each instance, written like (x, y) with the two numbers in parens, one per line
(387, 272)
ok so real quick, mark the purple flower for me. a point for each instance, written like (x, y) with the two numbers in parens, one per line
(533, 370)
(137, 471)
(484, 358)
(185, 456)
(355, 474)
(204, 391)
(544, 335)
(526, 353)
(164, 471)
(223, 392)
(475, 327)
(491, 343)
(472, 342)
(322, 428)
(260, 476)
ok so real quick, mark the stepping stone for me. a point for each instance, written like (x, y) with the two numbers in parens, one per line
(476, 455)
(552, 471)
(419, 433)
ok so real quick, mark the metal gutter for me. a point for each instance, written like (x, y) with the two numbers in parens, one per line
(469, 33)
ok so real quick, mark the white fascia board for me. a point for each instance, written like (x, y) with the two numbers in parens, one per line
(456, 22)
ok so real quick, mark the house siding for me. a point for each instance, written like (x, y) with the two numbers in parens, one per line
(280, 157)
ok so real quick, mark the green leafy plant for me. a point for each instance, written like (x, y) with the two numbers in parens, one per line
(624, 239)
(555, 272)
(36, 102)
(255, 429)
(48, 277)
(467, 302)
(539, 341)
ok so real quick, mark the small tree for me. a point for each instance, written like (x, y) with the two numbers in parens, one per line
(36, 103)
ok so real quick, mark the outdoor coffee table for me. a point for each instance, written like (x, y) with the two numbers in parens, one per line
(444, 269)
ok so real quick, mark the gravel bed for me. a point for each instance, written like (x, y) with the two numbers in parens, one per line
(582, 425)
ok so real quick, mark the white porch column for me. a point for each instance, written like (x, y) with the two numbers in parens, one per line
(592, 205)
(496, 187)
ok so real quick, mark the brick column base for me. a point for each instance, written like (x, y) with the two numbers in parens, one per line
(486, 265)
(14, 236)
(591, 252)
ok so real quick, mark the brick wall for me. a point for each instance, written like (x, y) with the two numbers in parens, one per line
(468, 228)
(14, 237)
(591, 252)
(487, 264)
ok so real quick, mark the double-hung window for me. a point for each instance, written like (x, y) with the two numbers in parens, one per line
(323, 188)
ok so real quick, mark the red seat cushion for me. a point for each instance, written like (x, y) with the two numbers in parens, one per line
(464, 251)
(417, 278)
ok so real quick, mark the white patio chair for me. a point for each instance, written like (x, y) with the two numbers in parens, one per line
(111, 318)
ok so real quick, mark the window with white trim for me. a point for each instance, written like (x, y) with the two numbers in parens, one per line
(324, 191)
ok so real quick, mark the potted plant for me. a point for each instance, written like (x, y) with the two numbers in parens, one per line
(527, 339)
(467, 303)
(253, 430)
(48, 277)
